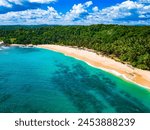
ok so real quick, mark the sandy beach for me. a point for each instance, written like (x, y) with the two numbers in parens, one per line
(141, 77)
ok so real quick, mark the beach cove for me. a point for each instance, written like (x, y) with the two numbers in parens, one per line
(141, 77)
(33, 80)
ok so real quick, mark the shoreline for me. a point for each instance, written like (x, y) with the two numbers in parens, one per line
(134, 75)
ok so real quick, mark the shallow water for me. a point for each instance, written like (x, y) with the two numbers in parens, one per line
(39, 80)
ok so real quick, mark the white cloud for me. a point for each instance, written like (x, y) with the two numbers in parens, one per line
(88, 4)
(137, 22)
(121, 10)
(110, 14)
(144, 1)
(74, 12)
(144, 12)
(33, 16)
(41, 1)
(9, 3)
(40, 16)
(4, 3)
(129, 5)
(17, 2)
(95, 9)
(77, 10)
(80, 14)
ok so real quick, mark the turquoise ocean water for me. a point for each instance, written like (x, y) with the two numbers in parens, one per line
(39, 80)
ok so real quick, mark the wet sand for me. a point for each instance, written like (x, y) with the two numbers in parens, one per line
(141, 77)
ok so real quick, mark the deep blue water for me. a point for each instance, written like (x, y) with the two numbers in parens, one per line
(39, 80)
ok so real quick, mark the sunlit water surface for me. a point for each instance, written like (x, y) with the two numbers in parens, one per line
(39, 80)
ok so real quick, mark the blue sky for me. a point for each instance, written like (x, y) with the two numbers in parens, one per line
(74, 12)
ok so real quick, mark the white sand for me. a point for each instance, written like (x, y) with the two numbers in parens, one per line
(127, 72)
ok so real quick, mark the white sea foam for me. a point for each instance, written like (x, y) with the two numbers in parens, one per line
(107, 70)
(112, 72)
(26, 46)
(4, 47)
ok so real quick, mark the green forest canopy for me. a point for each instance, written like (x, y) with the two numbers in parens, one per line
(129, 44)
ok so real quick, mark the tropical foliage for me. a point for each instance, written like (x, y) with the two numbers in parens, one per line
(128, 44)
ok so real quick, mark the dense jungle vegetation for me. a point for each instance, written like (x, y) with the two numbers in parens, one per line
(128, 44)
